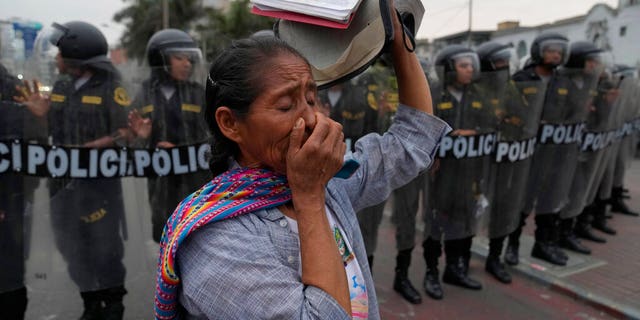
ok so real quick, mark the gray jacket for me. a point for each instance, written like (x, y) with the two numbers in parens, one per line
(247, 267)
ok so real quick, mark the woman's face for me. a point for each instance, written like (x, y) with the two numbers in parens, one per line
(288, 93)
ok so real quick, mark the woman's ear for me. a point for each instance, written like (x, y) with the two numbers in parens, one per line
(228, 124)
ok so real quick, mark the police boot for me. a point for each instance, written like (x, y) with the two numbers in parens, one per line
(401, 283)
(511, 254)
(599, 219)
(568, 239)
(13, 304)
(554, 239)
(92, 305)
(543, 248)
(617, 202)
(113, 307)
(493, 265)
(583, 229)
(431, 252)
(454, 274)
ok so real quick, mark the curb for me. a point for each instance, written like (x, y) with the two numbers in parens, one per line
(562, 286)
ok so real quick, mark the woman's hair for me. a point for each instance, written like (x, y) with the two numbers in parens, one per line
(234, 81)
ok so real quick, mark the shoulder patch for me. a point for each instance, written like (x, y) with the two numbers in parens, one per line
(57, 98)
(121, 97)
(445, 105)
(92, 99)
(191, 108)
(371, 100)
(530, 90)
(147, 109)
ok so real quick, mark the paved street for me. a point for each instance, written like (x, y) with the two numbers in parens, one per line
(605, 285)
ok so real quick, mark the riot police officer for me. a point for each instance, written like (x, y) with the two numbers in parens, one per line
(628, 101)
(554, 161)
(457, 192)
(167, 112)
(87, 107)
(517, 127)
(583, 70)
(13, 293)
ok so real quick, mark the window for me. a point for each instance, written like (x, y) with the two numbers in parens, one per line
(522, 49)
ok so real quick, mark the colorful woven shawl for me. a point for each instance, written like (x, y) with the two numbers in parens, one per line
(230, 194)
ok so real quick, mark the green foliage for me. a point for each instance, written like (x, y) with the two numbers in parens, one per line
(213, 29)
(220, 28)
(142, 18)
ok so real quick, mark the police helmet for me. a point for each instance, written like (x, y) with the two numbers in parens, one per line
(167, 41)
(450, 55)
(549, 41)
(490, 53)
(581, 51)
(78, 40)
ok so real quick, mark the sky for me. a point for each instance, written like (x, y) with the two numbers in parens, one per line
(441, 18)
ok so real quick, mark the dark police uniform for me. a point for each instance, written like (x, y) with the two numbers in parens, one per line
(13, 294)
(457, 185)
(178, 120)
(87, 214)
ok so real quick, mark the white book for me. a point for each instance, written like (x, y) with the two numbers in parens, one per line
(339, 10)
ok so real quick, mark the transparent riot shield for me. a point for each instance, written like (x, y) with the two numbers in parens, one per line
(600, 137)
(564, 112)
(460, 181)
(627, 87)
(168, 112)
(618, 130)
(592, 142)
(518, 106)
(105, 157)
(13, 239)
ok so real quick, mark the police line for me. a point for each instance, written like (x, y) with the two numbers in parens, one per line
(461, 147)
(474, 146)
(594, 141)
(77, 162)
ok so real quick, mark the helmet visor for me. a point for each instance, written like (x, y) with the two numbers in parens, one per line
(57, 33)
(466, 67)
(184, 64)
(554, 52)
(503, 59)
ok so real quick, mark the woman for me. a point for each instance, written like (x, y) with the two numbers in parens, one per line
(300, 253)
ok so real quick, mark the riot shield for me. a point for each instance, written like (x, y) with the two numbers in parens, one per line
(601, 136)
(628, 103)
(518, 107)
(168, 112)
(618, 130)
(460, 185)
(592, 142)
(563, 115)
(83, 194)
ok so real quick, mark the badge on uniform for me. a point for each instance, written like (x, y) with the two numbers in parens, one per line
(121, 97)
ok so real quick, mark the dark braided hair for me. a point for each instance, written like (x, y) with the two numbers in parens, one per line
(234, 81)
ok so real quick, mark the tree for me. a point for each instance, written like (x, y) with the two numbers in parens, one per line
(220, 28)
(142, 18)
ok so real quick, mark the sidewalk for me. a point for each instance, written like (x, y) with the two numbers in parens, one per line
(609, 278)
(603, 285)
